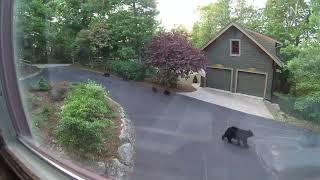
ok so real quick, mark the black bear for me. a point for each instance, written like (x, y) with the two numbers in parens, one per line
(238, 134)
(166, 92)
(106, 74)
(154, 89)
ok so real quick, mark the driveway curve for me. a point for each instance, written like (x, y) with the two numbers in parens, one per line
(179, 138)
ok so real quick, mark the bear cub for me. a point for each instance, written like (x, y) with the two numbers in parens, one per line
(238, 134)
(106, 74)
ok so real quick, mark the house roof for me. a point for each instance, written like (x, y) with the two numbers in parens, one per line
(265, 43)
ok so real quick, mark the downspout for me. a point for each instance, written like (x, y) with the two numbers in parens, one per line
(272, 83)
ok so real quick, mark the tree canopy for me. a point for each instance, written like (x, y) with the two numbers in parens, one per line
(215, 16)
(51, 28)
(174, 56)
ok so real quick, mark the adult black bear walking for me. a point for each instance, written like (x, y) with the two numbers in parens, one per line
(238, 134)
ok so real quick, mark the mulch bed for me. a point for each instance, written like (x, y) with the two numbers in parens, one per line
(45, 135)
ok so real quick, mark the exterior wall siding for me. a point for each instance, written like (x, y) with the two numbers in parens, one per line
(252, 57)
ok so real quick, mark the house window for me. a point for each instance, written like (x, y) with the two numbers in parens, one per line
(234, 47)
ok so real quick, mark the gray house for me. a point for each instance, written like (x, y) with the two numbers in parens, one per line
(242, 61)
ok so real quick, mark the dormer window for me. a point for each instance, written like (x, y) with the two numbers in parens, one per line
(235, 47)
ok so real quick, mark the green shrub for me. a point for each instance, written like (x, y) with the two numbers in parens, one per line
(151, 73)
(41, 85)
(84, 120)
(305, 75)
(126, 52)
(309, 106)
(130, 70)
(40, 118)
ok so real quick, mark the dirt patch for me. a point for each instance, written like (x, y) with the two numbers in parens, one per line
(45, 134)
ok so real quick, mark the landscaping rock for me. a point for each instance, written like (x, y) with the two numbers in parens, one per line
(118, 170)
(127, 134)
(126, 154)
(101, 167)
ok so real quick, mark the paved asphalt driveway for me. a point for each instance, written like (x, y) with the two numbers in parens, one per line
(179, 138)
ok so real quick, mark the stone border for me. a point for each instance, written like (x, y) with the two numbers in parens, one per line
(120, 168)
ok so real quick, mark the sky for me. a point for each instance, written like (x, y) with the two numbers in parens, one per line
(184, 12)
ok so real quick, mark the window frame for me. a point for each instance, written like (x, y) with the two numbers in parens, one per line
(10, 87)
(21, 132)
(230, 46)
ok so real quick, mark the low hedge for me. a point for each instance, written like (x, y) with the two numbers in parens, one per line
(129, 70)
(85, 120)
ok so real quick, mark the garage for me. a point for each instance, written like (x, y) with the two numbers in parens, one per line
(251, 83)
(219, 78)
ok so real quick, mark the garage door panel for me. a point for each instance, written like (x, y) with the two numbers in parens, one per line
(251, 83)
(219, 78)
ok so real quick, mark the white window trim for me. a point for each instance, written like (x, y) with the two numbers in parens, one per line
(230, 46)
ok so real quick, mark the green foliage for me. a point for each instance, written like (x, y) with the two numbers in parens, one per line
(288, 20)
(85, 120)
(315, 17)
(41, 85)
(290, 51)
(100, 39)
(39, 119)
(82, 51)
(132, 26)
(51, 30)
(95, 41)
(215, 16)
(151, 73)
(306, 76)
(130, 70)
(305, 69)
(247, 15)
(309, 106)
(125, 53)
(31, 29)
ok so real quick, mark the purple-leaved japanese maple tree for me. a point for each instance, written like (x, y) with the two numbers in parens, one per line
(173, 55)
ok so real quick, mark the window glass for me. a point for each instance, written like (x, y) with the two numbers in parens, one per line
(235, 47)
(133, 89)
